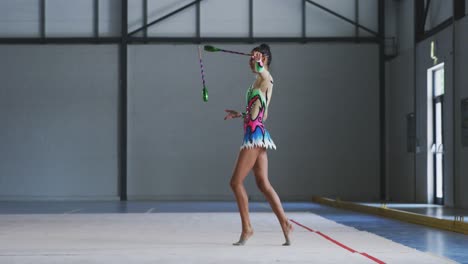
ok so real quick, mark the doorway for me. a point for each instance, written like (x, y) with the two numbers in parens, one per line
(435, 161)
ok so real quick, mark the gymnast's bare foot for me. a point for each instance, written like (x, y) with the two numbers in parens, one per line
(287, 229)
(244, 237)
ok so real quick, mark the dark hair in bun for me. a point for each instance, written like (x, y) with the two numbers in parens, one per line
(265, 50)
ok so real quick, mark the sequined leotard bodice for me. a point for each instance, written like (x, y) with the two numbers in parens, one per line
(255, 134)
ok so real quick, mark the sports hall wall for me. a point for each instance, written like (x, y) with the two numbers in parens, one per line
(323, 118)
(60, 114)
(408, 171)
(462, 82)
(400, 101)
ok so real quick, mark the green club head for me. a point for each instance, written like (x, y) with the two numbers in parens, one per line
(211, 48)
(205, 94)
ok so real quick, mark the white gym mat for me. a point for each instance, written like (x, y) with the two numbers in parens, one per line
(191, 238)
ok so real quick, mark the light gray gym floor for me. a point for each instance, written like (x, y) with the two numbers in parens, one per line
(202, 232)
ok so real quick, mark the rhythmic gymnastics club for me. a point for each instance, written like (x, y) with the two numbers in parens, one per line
(205, 91)
(214, 49)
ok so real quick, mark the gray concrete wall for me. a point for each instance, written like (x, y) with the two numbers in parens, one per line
(400, 102)
(64, 18)
(462, 86)
(439, 11)
(271, 18)
(59, 107)
(391, 18)
(225, 18)
(58, 110)
(19, 18)
(405, 23)
(62, 141)
(323, 117)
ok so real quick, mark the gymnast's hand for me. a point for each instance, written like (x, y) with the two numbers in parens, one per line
(257, 56)
(231, 114)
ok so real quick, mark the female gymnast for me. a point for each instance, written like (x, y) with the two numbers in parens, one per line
(253, 152)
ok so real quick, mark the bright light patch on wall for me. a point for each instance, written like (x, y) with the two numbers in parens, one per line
(435, 147)
(439, 152)
(439, 85)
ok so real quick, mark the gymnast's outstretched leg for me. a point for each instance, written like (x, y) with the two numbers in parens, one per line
(245, 162)
(261, 178)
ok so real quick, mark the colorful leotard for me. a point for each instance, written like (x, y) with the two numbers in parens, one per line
(255, 134)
